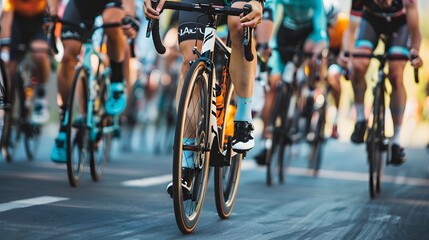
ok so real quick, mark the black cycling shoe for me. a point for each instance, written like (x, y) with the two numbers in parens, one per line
(397, 155)
(261, 157)
(243, 139)
(187, 177)
(359, 132)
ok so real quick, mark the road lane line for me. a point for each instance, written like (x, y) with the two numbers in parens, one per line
(326, 174)
(29, 202)
(146, 182)
(343, 175)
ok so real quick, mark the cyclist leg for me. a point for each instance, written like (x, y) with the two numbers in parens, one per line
(243, 77)
(333, 79)
(116, 42)
(71, 39)
(398, 97)
(41, 74)
(365, 43)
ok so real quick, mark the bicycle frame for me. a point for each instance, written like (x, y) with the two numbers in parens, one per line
(89, 51)
(211, 39)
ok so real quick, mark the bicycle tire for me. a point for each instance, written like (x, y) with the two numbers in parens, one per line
(5, 110)
(281, 126)
(76, 140)
(187, 209)
(316, 145)
(373, 144)
(226, 178)
(13, 127)
(101, 138)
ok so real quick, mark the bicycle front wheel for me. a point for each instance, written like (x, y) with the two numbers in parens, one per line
(101, 134)
(227, 177)
(375, 144)
(317, 138)
(6, 98)
(13, 118)
(192, 123)
(76, 129)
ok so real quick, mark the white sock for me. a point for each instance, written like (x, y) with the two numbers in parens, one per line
(396, 134)
(360, 112)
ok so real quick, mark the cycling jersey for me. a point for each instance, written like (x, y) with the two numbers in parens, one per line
(304, 14)
(27, 8)
(395, 10)
(390, 21)
(302, 20)
(79, 11)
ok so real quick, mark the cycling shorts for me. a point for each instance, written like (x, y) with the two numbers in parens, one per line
(290, 38)
(24, 31)
(371, 27)
(79, 11)
(192, 24)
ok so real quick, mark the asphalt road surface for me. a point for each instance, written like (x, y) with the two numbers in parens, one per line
(130, 201)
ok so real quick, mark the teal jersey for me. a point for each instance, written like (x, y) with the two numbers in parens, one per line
(299, 15)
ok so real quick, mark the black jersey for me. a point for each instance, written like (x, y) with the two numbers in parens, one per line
(395, 10)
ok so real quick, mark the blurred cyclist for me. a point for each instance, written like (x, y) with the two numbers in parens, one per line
(22, 30)
(303, 26)
(398, 19)
(242, 74)
(80, 11)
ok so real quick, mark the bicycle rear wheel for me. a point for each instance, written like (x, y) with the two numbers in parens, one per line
(317, 129)
(226, 178)
(192, 122)
(6, 98)
(375, 143)
(12, 128)
(76, 129)
(281, 127)
(101, 134)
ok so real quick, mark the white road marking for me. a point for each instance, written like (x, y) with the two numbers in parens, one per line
(29, 202)
(326, 174)
(146, 182)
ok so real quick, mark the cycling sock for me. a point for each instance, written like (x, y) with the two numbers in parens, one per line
(360, 112)
(396, 134)
(188, 156)
(117, 71)
(244, 109)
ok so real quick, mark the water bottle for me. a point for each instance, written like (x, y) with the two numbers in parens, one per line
(219, 104)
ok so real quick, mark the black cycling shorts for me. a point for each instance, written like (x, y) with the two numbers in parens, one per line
(371, 27)
(291, 39)
(192, 24)
(82, 11)
(24, 31)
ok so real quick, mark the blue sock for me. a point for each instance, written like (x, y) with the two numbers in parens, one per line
(188, 156)
(244, 109)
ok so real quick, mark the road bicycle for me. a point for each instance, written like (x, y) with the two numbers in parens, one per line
(197, 118)
(17, 123)
(284, 121)
(377, 143)
(89, 129)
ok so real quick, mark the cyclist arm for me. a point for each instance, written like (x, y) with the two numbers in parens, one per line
(349, 34)
(320, 24)
(413, 25)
